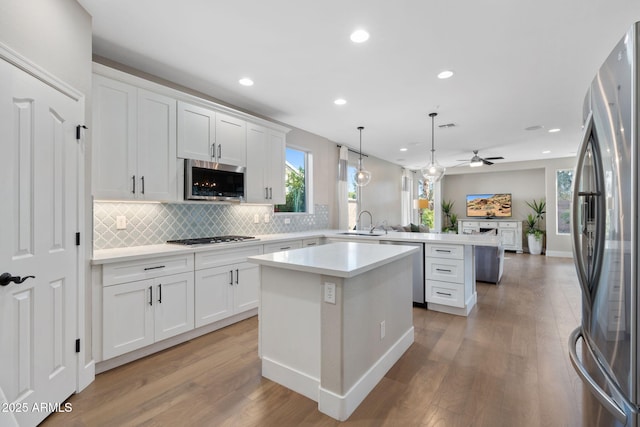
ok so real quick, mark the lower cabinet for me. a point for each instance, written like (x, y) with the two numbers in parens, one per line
(226, 287)
(139, 313)
(450, 278)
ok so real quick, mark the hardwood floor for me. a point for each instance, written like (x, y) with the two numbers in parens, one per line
(505, 365)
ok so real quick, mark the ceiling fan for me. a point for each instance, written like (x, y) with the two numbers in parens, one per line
(479, 161)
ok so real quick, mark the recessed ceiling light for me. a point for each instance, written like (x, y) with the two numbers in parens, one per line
(403, 149)
(534, 127)
(359, 36)
(554, 130)
(445, 74)
(340, 101)
(245, 81)
(546, 151)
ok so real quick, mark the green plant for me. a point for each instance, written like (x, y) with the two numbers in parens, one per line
(450, 222)
(534, 219)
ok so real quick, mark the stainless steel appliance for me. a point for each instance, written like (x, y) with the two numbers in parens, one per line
(211, 240)
(605, 242)
(213, 181)
(418, 270)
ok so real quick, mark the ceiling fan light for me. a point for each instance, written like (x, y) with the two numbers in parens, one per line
(475, 162)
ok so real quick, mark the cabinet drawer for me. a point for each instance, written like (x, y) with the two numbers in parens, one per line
(446, 270)
(282, 246)
(225, 256)
(470, 224)
(129, 271)
(444, 251)
(507, 225)
(445, 293)
(311, 242)
(488, 225)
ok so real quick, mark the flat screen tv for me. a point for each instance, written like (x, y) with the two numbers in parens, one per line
(497, 205)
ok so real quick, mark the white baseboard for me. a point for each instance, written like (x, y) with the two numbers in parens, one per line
(341, 407)
(291, 378)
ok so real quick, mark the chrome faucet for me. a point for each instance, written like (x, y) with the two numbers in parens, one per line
(359, 224)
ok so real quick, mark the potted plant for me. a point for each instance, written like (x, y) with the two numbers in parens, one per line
(535, 235)
(450, 223)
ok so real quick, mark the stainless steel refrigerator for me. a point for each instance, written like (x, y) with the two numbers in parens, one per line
(606, 242)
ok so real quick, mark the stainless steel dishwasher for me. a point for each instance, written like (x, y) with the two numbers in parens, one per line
(418, 270)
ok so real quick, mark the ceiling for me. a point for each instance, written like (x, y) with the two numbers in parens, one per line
(517, 64)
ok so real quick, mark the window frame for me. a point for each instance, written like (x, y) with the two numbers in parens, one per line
(308, 181)
(560, 211)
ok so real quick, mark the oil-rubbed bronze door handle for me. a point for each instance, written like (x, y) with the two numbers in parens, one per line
(6, 278)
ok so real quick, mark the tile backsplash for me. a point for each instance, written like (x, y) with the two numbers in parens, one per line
(155, 223)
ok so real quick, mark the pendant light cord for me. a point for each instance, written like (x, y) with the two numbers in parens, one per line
(433, 150)
(360, 129)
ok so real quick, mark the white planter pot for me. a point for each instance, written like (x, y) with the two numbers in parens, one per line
(535, 245)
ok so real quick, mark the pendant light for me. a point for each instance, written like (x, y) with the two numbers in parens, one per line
(362, 176)
(433, 171)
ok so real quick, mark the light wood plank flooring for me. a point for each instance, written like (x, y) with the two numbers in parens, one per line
(505, 365)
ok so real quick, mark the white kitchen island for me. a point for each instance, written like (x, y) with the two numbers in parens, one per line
(333, 319)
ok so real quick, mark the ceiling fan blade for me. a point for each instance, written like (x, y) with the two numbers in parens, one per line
(487, 162)
(494, 158)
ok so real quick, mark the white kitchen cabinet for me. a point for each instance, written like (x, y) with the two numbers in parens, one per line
(139, 313)
(510, 231)
(314, 241)
(205, 134)
(265, 165)
(449, 278)
(284, 245)
(228, 285)
(134, 143)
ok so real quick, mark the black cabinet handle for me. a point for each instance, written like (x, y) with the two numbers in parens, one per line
(160, 293)
(443, 293)
(150, 295)
(446, 251)
(270, 193)
(442, 270)
(133, 179)
(153, 268)
(266, 193)
(231, 277)
(6, 278)
(237, 275)
(219, 151)
(142, 179)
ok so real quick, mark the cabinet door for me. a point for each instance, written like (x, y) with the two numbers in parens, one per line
(156, 147)
(213, 295)
(231, 139)
(256, 187)
(114, 139)
(508, 237)
(173, 305)
(275, 172)
(127, 317)
(196, 132)
(246, 287)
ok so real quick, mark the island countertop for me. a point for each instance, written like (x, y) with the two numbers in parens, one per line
(340, 259)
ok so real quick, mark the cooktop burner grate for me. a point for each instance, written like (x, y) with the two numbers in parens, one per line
(210, 240)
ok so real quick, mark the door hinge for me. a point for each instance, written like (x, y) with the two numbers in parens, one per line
(79, 131)
(78, 238)
(78, 345)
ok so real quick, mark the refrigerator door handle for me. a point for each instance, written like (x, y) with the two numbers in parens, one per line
(595, 389)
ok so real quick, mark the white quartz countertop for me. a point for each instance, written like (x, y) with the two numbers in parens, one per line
(341, 259)
(106, 256)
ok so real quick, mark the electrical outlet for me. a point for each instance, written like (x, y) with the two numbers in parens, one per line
(330, 292)
(287, 220)
(256, 219)
(382, 330)
(121, 222)
(267, 218)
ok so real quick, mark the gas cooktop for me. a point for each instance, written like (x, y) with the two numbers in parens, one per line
(210, 240)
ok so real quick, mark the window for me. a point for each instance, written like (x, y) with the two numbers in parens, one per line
(353, 196)
(425, 203)
(564, 182)
(297, 172)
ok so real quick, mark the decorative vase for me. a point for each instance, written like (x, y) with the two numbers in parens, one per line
(535, 245)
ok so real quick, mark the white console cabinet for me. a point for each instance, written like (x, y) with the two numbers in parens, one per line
(510, 231)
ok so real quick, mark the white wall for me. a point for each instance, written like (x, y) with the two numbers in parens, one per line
(525, 181)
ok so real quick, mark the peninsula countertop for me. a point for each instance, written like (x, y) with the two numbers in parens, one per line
(341, 259)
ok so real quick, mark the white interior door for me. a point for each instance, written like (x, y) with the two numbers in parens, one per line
(38, 222)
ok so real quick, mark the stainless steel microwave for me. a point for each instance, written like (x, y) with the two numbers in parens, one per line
(213, 181)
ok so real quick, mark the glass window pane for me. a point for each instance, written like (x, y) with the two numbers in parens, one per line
(564, 181)
(295, 183)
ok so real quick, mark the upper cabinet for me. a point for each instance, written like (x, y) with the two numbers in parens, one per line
(205, 134)
(265, 165)
(134, 143)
